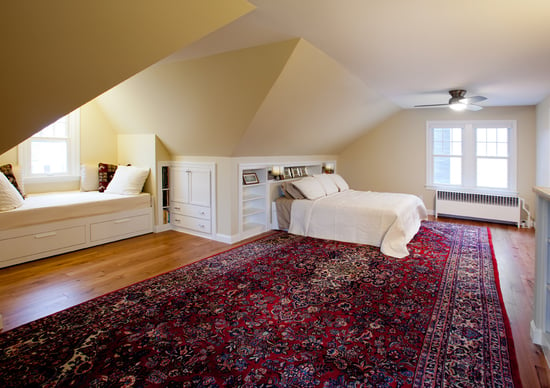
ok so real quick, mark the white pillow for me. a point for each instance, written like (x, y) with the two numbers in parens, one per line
(127, 180)
(10, 198)
(340, 182)
(89, 177)
(310, 187)
(327, 183)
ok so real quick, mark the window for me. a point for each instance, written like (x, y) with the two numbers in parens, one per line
(477, 155)
(54, 152)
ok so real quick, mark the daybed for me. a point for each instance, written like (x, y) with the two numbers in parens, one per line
(48, 224)
(324, 207)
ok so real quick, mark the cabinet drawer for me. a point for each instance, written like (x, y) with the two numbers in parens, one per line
(119, 227)
(192, 223)
(42, 242)
(186, 209)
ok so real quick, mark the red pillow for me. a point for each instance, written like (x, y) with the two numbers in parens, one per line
(7, 170)
(106, 173)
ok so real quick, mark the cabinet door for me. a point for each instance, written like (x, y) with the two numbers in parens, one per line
(179, 184)
(199, 187)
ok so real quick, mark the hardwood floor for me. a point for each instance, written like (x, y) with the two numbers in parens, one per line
(33, 290)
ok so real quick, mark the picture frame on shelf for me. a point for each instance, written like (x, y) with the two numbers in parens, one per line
(287, 174)
(303, 171)
(250, 178)
(296, 173)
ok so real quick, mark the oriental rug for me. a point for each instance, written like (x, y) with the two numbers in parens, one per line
(287, 311)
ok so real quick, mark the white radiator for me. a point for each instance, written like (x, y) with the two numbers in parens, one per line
(489, 207)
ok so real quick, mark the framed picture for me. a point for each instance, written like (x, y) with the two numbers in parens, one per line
(303, 171)
(296, 172)
(250, 178)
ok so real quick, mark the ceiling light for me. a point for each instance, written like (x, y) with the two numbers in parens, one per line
(458, 106)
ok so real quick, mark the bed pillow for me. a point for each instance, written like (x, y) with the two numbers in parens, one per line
(10, 172)
(10, 197)
(310, 187)
(290, 191)
(340, 182)
(328, 183)
(105, 174)
(127, 180)
(89, 177)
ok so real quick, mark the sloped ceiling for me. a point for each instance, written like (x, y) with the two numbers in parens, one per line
(57, 55)
(286, 98)
(201, 106)
(315, 107)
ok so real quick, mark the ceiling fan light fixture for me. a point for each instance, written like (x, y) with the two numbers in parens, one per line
(457, 106)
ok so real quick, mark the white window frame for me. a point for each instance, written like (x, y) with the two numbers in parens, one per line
(73, 159)
(469, 157)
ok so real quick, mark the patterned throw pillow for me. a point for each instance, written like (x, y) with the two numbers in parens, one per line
(7, 170)
(105, 174)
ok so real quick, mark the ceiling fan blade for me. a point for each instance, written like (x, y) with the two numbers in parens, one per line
(431, 106)
(473, 107)
(472, 100)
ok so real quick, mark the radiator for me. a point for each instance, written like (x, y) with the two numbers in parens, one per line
(487, 207)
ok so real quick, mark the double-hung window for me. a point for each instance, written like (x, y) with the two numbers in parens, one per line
(477, 156)
(53, 154)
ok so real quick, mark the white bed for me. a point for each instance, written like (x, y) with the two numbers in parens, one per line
(385, 220)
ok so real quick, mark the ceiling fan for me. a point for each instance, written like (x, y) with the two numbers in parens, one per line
(459, 101)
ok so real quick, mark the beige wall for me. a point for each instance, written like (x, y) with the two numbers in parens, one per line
(392, 156)
(98, 138)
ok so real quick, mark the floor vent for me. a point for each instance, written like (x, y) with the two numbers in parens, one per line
(489, 207)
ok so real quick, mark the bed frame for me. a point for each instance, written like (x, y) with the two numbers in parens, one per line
(34, 242)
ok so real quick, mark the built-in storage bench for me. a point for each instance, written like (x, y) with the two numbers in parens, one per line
(36, 241)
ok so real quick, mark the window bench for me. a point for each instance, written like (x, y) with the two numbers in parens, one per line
(54, 223)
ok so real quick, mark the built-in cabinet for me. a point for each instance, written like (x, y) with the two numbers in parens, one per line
(187, 197)
(540, 326)
(254, 201)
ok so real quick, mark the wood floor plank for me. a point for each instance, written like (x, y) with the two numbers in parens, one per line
(33, 290)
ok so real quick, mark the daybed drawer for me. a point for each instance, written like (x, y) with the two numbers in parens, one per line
(119, 227)
(190, 210)
(192, 223)
(42, 242)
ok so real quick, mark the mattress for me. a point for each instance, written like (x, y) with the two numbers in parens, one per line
(60, 206)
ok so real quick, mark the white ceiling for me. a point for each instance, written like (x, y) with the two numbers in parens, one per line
(411, 52)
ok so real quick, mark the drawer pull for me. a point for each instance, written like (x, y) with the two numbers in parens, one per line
(122, 221)
(177, 208)
(44, 235)
(203, 213)
(177, 220)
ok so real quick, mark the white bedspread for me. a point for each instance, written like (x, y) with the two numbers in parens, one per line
(50, 207)
(385, 220)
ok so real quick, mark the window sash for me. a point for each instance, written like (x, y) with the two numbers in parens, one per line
(64, 131)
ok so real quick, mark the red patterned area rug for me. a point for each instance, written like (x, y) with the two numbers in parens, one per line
(287, 311)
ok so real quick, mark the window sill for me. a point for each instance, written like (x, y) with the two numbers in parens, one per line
(472, 190)
(50, 179)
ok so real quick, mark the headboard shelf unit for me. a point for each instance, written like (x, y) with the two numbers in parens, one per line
(255, 197)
